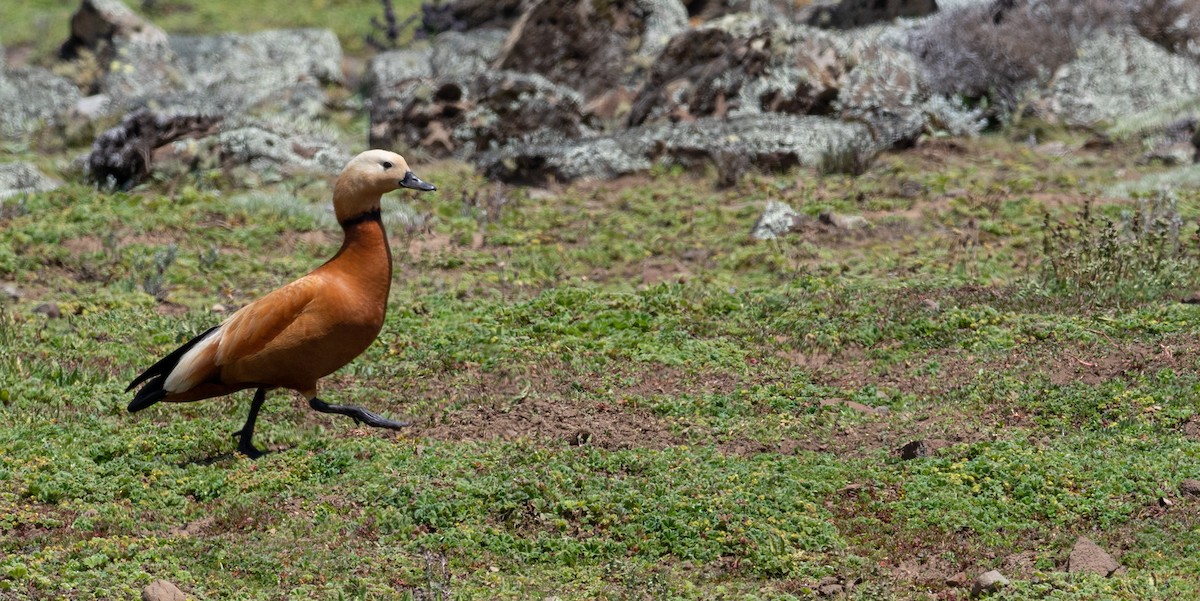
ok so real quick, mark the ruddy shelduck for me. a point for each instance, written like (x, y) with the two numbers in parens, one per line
(306, 330)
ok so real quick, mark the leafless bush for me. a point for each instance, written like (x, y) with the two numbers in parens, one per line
(993, 50)
(1172, 24)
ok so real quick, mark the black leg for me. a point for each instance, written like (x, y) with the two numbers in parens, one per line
(358, 414)
(245, 435)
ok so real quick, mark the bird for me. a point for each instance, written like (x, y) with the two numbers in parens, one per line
(305, 330)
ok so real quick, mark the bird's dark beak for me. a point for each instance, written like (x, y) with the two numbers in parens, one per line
(413, 182)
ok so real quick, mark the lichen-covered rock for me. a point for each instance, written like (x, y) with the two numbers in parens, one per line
(98, 22)
(132, 58)
(740, 66)
(280, 70)
(585, 44)
(20, 177)
(662, 20)
(884, 91)
(32, 97)
(778, 219)
(396, 66)
(279, 146)
(463, 55)
(1122, 79)
(767, 141)
(463, 118)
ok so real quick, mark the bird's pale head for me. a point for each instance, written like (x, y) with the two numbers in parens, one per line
(368, 176)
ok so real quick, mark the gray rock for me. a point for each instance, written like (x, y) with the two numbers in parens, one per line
(844, 222)
(32, 98)
(1190, 488)
(133, 59)
(663, 19)
(463, 55)
(162, 590)
(741, 65)
(277, 146)
(484, 114)
(101, 22)
(539, 164)
(885, 91)
(280, 70)
(140, 69)
(767, 140)
(987, 583)
(91, 107)
(586, 45)
(1125, 81)
(1171, 153)
(1087, 557)
(396, 66)
(778, 219)
(20, 178)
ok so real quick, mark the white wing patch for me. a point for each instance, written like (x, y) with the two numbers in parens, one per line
(194, 365)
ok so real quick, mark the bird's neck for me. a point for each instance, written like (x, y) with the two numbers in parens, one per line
(365, 255)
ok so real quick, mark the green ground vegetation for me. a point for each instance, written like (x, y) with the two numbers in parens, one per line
(616, 392)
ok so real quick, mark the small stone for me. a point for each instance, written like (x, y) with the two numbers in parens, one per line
(914, 449)
(988, 582)
(1191, 299)
(162, 590)
(830, 590)
(1165, 502)
(219, 308)
(1190, 488)
(50, 310)
(11, 291)
(883, 410)
(931, 304)
(958, 580)
(1087, 557)
(844, 222)
(778, 219)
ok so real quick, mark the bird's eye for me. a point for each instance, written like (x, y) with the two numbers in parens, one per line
(387, 165)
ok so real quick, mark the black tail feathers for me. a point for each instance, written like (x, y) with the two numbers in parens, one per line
(154, 377)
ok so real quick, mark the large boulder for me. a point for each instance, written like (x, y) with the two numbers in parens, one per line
(20, 177)
(447, 117)
(119, 54)
(585, 44)
(768, 141)
(740, 66)
(1122, 80)
(279, 70)
(884, 90)
(465, 55)
(32, 97)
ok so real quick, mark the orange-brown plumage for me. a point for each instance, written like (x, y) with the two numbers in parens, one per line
(305, 330)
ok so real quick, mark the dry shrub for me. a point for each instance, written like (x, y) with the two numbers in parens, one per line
(993, 50)
(1172, 24)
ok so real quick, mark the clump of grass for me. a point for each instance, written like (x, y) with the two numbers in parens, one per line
(154, 272)
(1143, 255)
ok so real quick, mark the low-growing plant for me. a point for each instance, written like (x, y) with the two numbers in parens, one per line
(1143, 255)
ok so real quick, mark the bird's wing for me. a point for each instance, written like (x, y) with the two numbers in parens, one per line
(254, 326)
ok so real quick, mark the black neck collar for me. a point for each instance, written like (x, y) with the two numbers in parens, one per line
(372, 215)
